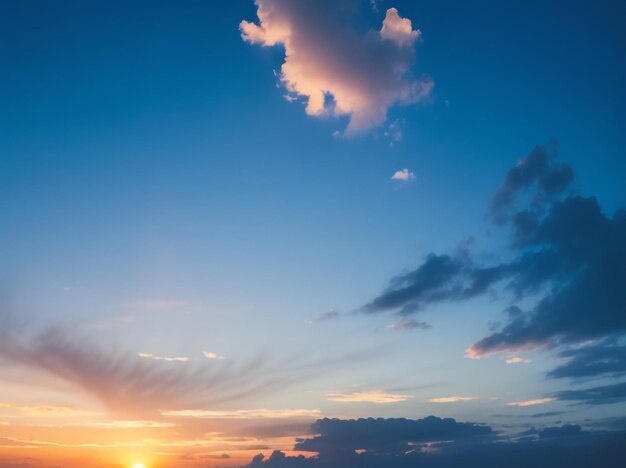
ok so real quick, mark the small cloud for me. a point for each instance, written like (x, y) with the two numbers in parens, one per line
(325, 316)
(261, 413)
(163, 358)
(403, 175)
(367, 396)
(212, 355)
(452, 399)
(518, 360)
(66, 288)
(538, 401)
(409, 324)
(394, 132)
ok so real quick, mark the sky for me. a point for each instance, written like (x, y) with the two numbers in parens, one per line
(312, 234)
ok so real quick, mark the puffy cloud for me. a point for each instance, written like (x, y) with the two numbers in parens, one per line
(368, 396)
(398, 30)
(337, 70)
(403, 175)
(536, 401)
(452, 399)
(163, 358)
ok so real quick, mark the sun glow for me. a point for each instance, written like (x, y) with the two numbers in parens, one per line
(139, 465)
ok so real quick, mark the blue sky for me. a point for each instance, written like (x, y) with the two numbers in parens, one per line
(160, 195)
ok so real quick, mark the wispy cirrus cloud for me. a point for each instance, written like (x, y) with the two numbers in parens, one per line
(163, 358)
(368, 396)
(335, 69)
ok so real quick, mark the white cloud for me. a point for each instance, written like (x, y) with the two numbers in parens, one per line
(212, 355)
(337, 70)
(368, 396)
(163, 358)
(538, 401)
(518, 360)
(452, 399)
(403, 175)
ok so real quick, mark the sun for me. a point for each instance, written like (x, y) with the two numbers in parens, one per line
(139, 465)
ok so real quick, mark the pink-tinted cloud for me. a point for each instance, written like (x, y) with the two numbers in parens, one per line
(336, 70)
(404, 175)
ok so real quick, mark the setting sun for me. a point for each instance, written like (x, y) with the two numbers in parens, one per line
(139, 465)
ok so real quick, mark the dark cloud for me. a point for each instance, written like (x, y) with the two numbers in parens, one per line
(411, 444)
(433, 281)
(537, 170)
(591, 361)
(602, 395)
(342, 437)
(547, 414)
(564, 249)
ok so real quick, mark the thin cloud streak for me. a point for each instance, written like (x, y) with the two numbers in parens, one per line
(368, 396)
(452, 399)
(534, 402)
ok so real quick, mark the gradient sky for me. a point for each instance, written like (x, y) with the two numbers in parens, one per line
(180, 232)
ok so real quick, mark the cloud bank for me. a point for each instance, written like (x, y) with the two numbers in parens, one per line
(334, 68)
(445, 443)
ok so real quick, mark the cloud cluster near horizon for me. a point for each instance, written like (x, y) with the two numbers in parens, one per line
(437, 442)
(334, 68)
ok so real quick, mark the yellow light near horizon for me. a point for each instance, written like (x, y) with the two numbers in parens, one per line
(139, 465)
